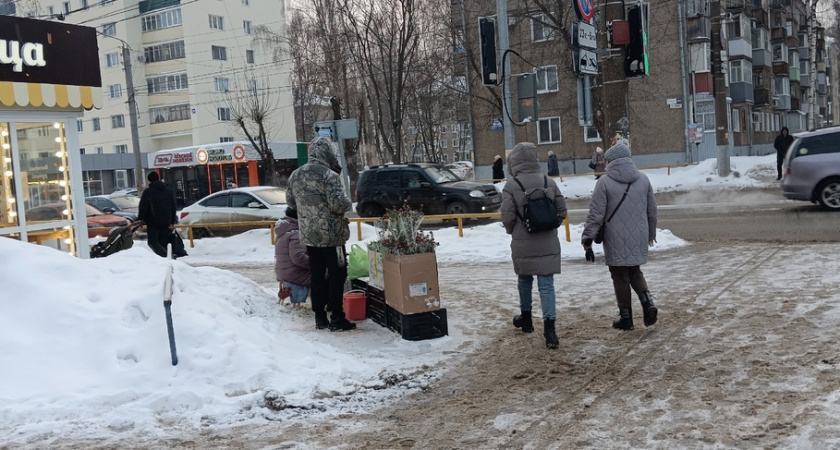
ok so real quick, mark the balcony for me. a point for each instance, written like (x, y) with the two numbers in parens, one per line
(741, 92)
(821, 66)
(793, 73)
(804, 53)
(739, 48)
(698, 29)
(792, 41)
(794, 104)
(805, 80)
(760, 16)
(703, 83)
(781, 102)
(761, 58)
(821, 89)
(761, 96)
(780, 68)
(779, 3)
(778, 33)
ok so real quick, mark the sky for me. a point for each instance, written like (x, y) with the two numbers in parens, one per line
(84, 350)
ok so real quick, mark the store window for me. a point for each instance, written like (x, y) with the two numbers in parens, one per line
(8, 196)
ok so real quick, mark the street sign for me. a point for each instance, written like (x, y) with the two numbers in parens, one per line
(674, 103)
(586, 62)
(585, 9)
(587, 35)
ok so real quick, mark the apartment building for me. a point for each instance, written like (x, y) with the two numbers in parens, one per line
(766, 64)
(187, 60)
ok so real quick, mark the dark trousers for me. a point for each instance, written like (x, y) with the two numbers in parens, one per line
(780, 158)
(158, 239)
(328, 269)
(625, 277)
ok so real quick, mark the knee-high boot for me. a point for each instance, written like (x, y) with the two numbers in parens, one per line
(550, 335)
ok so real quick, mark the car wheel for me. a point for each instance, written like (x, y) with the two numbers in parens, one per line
(456, 208)
(828, 194)
(199, 233)
(372, 210)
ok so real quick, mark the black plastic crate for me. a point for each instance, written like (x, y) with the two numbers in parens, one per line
(359, 283)
(375, 307)
(419, 326)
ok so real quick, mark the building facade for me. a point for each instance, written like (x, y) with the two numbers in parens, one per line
(188, 62)
(669, 113)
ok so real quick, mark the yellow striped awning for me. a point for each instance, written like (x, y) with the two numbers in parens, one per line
(49, 95)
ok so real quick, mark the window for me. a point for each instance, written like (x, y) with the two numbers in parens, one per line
(170, 113)
(219, 53)
(217, 22)
(221, 84)
(455, 143)
(252, 86)
(219, 201)
(740, 71)
(590, 134)
(455, 128)
(66, 7)
(164, 52)
(223, 113)
(540, 30)
(50, 10)
(246, 26)
(79, 125)
(249, 56)
(246, 2)
(95, 122)
(99, 150)
(167, 83)
(226, 139)
(548, 130)
(105, 2)
(84, 4)
(118, 121)
(736, 122)
(114, 90)
(442, 129)
(121, 148)
(112, 59)
(109, 29)
(546, 79)
(81, 150)
(443, 143)
(700, 59)
(166, 19)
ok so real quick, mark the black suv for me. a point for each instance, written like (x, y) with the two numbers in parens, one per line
(426, 187)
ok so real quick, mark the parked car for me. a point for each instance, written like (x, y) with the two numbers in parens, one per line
(246, 204)
(126, 191)
(812, 168)
(99, 223)
(464, 169)
(427, 187)
(119, 205)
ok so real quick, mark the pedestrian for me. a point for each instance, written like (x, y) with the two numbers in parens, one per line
(533, 253)
(553, 165)
(781, 144)
(624, 199)
(157, 211)
(598, 162)
(498, 169)
(315, 191)
(291, 262)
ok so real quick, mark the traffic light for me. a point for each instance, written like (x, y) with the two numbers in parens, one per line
(635, 53)
(487, 39)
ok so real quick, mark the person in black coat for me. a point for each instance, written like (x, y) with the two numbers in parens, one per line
(498, 170)
(781, 145)
(157, 211)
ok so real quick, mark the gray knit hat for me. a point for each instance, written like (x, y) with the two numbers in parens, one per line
(619, 150)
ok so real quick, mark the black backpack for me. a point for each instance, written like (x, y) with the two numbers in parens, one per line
(539, 212)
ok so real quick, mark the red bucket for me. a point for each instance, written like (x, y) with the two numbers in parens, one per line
(354, 305)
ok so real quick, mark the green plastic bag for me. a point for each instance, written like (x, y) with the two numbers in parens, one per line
(357, 262)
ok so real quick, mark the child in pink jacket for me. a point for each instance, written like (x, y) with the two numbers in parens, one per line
(291, 263)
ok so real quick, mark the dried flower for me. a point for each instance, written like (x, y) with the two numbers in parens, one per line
(401, 234)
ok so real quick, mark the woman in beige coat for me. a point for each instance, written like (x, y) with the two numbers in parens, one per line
(535, 253)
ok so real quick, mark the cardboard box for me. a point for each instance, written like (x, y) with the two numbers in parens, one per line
(411, 283)
(376, 270)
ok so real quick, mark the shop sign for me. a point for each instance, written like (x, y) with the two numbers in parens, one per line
(40, 51)
(182, 157)
(239, 152)
(163, 160)
(201, 156)
(218, 155)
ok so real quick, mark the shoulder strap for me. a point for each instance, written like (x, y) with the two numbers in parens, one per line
(619, 203)
(520, 185)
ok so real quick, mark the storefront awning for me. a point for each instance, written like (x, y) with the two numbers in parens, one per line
(49, 95)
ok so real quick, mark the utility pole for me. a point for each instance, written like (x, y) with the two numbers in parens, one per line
(614, 82)
(132, 119)
(812, 47)
(723, 135)
(504, 46)
(468, 86)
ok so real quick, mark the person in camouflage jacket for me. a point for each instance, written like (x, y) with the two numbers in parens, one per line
(315, 191)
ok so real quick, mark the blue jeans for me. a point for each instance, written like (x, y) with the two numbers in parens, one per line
(299, 293)
(545, 284)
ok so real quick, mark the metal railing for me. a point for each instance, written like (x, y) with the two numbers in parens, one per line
(358, 220)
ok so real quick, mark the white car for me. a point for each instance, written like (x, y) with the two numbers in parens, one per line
(464, 169)
(247, 204)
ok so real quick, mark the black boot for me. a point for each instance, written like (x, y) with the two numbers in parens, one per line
(550, 336)
(524, 321)
(625, 321)
(648, 308)
(339, 322)
(321, 321)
